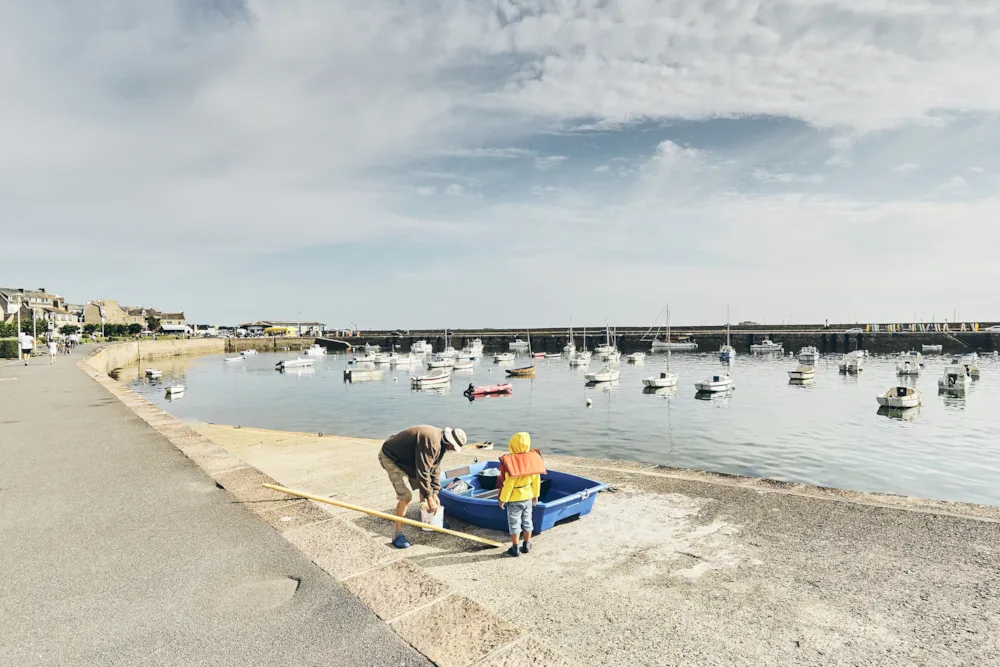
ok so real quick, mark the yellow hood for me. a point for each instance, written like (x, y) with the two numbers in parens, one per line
(519, 443)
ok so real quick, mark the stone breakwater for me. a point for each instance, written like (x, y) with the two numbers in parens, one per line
(120, 355)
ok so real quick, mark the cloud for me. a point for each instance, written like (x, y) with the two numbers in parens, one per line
(905, 168)
(955, 185)
(426, 190)
(549, 161)
(784, 177)
(491, 152)
(601, 168)
(977, 170)
(454, 190)
(671, 150)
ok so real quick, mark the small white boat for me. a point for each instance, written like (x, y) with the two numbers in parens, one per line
(153, 373)
(676, 346)
(437, 377)
(767, 345)
(369, 348)
(518, 345)
(969, 362)
(604, 349)
(236, 358)
(900, 397)
(380, 358)
(606, 374)
(249, 353)
(397, 359)
(421, 347)
(664, 379)
(504, 356)
(477, 345)
(909, 364)
(441, 361)
(636, 358)
(463, 365)
(449, 352)
(804, 372)
(715, 384)
(466, 353)
(173, 390)
(852, 363)
(294, 363)
(315, 350)
(579, 358)
(569, 348)
(808, 355)
(956, 378)
(931, 349)
(727, 353)
(553, 355)
(363, 374)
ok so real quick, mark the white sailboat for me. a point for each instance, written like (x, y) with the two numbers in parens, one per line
(666, 378)
(504, 356)
(727, 353)
(715, 384)
(606, 374)
(581, 357)
(570, 346)
(448, 350)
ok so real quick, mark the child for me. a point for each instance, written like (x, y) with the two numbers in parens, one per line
(53, 350)
(520, 484)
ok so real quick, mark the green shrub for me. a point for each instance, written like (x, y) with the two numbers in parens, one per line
(8, 348)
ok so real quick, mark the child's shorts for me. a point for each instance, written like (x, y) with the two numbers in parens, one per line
(519, 517)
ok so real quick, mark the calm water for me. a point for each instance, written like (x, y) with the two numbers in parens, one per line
(828, 433)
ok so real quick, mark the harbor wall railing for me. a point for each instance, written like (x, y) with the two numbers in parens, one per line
(119, 355)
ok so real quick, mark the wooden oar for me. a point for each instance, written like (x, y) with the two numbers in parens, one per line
(383, 515)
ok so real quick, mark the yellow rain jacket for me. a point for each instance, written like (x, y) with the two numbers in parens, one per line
(524, 487)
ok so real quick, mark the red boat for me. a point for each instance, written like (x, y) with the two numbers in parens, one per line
(488, 390)
(538, 355)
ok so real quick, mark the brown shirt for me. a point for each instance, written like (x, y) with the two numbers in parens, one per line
(418, 452)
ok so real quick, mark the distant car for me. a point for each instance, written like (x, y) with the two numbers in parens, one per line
(994, 329)
(855, 330)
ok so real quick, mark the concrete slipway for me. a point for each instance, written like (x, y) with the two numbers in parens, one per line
(679, 567)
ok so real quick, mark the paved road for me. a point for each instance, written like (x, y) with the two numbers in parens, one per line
(117, 550)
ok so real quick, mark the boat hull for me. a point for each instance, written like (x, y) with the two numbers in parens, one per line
(661, 382)
(563, 496)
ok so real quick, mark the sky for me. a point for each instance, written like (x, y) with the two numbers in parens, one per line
(504, 163)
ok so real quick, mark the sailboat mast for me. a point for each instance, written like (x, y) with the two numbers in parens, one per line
(727, 324)
(668, 337)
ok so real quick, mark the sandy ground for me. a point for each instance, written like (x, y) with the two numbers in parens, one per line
(678, 567)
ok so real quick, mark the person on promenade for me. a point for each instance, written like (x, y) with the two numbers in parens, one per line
(414, 455)
(53, 350)
(27, 345)
(520, 485)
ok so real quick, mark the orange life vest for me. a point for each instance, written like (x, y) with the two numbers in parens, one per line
(523, 464)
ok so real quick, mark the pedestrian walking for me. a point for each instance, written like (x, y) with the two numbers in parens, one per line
(27, 346)
(53, 350)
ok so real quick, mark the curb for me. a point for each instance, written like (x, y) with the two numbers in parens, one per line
(449, 629)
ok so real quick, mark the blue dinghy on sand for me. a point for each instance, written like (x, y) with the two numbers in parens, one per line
(563, 496)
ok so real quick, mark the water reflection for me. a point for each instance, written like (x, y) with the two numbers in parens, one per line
(904, 414)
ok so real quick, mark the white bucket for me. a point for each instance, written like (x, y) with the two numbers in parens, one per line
(436, 519)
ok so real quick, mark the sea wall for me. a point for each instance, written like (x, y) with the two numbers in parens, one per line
(119, 355)
(272, 344)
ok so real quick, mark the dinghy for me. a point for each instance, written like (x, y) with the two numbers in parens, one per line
(715, 384)
(238, 358)
(363, 374)
(900, 397)
(804, 372)
(504, 356)
(522, 372)
(437, 377)
(173, 390)
(153, 373)
(489, 390)
(606, 374)
(248, 353)
(294, 363)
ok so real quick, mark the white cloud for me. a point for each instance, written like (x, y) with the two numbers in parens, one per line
(426, 190)
(785, 177)
(509, 152)
(905, 168)
(955, 185)
(454, 190)
(670, 150)
(977, 170)
(601, 169)
(549, 161)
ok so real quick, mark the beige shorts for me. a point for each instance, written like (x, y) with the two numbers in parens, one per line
(398, 478)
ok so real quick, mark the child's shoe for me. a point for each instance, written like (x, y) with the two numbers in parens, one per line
(526, 547)
(513, 551)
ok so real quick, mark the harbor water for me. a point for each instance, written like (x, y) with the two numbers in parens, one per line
(827, 433)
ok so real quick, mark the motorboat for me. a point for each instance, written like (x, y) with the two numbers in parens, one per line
(852, 363)
(969, 363)
(477, 345)
(767, 345)
(553, 355)
(463, 365)
(803, 372)
(449, 352)
(369, 348)
(636, 358)
(931, 349)
(970, 358)
(518, 345)
(421, 347)
(174, 389)
(610, 355)
(153, 373)
(238, 357)
(467, 353)
(808, 355)
(955, 378)
(489, 390)
(522, 372)
(715, 384)
(249, 353)
(538, 355)
(504, 356)
(580, 358)
(469, 494)
(436, 377)
(900, 397)
(910, 364)
(285, 364)
(315, 350)
(363, 374)
(441, 361)
(606, 374)
(408, 359)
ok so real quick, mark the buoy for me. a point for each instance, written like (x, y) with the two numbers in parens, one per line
(395, 379)
(590, 402)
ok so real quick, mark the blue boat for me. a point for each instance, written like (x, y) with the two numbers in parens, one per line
(563, 496)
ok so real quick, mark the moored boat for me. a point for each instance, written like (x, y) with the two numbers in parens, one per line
(294, 363)
(249, 353)
(955, 378)
(518, 345)
(175, 389)
(606, 374)
(931, 349)
(436, 377)
(504, 356)
(463, 365)
(315, 350)
(440, 361)
(636, 358)
(852, 363)
(803, 372)
(767, 345)
(489, 390)
(238, 357)
(363, 374)
(910, 363)
(715, 384)
(900, 397)
(808, 355)
(522, 372)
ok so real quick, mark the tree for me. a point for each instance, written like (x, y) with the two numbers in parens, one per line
(153, 324)
(89, 329)
(34, 326)
(8, 329)
(68, 329)
(135, 329)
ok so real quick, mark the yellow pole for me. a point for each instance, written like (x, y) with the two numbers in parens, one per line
(382, 515)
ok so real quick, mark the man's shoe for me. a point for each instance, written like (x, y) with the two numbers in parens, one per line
(400, 542)
(513, 551)
(526, 547)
